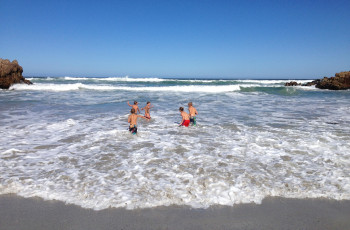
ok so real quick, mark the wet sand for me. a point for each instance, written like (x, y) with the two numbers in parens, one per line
(274, 213)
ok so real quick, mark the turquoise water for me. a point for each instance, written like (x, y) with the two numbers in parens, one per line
(66, 139)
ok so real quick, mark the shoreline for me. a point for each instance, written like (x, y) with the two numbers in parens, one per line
(274, 213)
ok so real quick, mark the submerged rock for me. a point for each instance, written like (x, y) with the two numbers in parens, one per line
(11, 73)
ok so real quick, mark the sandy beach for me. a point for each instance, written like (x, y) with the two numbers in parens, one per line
(274, 213)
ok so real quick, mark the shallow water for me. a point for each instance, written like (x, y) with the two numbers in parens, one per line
(67, 139)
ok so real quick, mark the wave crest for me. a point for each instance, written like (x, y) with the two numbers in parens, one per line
(80, 86)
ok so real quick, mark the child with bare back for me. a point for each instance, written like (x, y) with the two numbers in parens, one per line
(132, 119)
(185, 117)
(193, 112)
(135, 106)
(147, 109)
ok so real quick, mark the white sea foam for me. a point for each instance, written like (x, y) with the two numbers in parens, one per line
(62, 87)
(133, 79)
(245, 147)
(121, 79)
(11, 151)
(79, 86)
(273, 81)
(127, 79)
(312, 87)
(97, 173)
(47, 87)
(192, 88)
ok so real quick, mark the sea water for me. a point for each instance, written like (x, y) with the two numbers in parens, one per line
(66, 139)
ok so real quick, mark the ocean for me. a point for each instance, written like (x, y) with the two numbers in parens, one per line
(66, 139)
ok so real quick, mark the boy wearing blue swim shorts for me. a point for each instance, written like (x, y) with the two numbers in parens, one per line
(132, 119)
(193, 112)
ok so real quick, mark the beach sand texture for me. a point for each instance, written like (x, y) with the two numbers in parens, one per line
(274, 213)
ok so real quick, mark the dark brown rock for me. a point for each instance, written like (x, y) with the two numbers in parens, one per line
(341, 81)
(311, 83)
(292, 83)
(11, 73)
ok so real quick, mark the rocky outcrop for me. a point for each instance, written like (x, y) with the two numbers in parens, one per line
(311, 83)
(341, 81)
(11, 73)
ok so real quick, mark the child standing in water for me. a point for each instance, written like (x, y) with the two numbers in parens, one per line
(132, 119)
(135, 106)
(193, 112)
(185, 117)
(147, 109)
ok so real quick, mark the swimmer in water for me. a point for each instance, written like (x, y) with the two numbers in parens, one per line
(132, 119)
(135, 106)
(185, 117)
(193, 112)
(147, 109)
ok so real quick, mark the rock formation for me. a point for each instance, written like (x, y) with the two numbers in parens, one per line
(292, 83)
(311, 83)
(11, 73)
(341, 81)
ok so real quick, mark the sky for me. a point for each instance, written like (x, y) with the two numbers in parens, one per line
(183, 38)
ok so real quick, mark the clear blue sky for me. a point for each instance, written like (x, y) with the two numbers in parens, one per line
(165, 38)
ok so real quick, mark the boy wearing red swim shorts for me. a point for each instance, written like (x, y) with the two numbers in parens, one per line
(185, 117)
